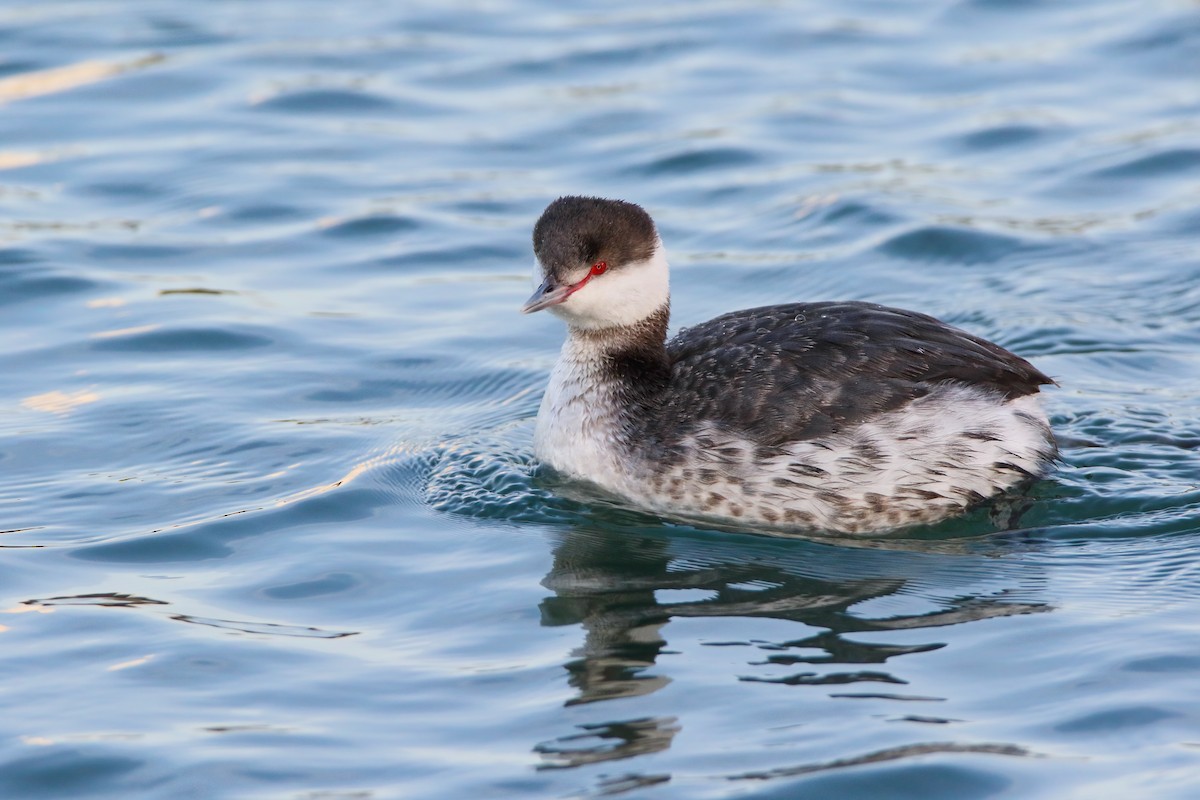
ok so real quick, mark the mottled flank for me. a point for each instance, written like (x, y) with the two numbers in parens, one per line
(848, 417)
(917, 464)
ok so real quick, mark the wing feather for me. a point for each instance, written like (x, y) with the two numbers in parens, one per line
(802, 370)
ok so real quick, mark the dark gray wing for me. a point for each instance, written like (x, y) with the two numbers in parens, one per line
(796, 371)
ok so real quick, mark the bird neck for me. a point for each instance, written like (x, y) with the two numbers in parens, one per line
(604, 388)
(646, 338)
(631, 358)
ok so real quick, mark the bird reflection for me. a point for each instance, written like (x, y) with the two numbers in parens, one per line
(615, 584)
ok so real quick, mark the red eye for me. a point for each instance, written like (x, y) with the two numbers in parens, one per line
(599, 267)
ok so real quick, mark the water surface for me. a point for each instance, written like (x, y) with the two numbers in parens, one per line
(271, 524)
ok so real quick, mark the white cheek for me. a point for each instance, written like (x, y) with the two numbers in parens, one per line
(623, 297)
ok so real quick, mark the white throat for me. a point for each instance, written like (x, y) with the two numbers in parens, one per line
(621, 297)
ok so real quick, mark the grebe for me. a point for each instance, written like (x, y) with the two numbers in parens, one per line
(839, 416)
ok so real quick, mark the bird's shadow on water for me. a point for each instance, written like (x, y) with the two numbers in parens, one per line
(862, 610)
(622, 577)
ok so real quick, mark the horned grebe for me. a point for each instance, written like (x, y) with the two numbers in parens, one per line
(839, 416)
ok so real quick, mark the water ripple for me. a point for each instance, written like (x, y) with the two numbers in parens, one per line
(960, 246)
(266, 402)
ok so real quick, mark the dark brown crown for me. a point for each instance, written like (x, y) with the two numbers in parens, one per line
(575, 232)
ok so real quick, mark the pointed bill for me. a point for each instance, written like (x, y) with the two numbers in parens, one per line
(550, 293)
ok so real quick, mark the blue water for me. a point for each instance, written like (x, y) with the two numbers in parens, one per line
(271, 524)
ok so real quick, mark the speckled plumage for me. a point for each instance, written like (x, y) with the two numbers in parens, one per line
(802, 370)
(847, 416)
